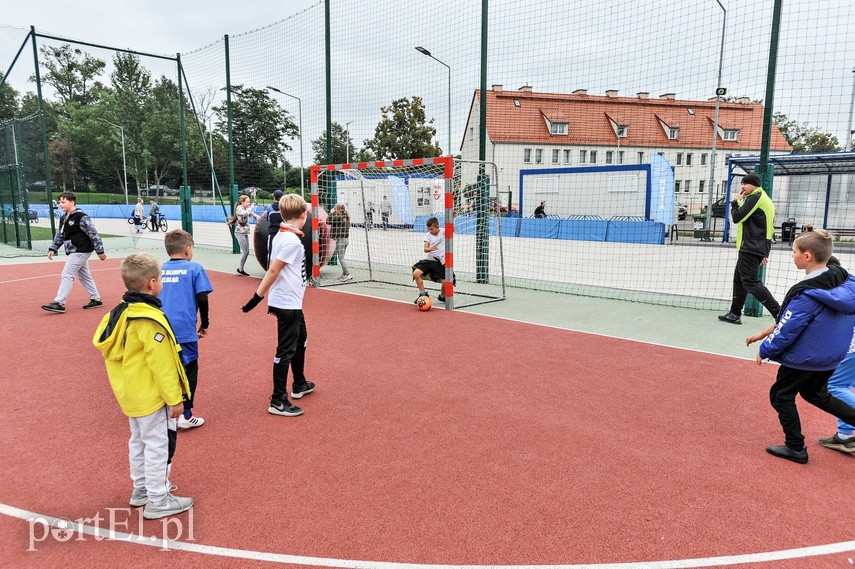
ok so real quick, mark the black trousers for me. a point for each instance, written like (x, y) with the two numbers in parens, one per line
(290, 351)
(192, 371)
(745, 280)
(813, 387)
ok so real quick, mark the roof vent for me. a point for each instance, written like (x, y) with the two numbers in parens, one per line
(612, 93)
(743, 100)
(668, 96)
(526, 88)
(497, 88)
(580, 92)
(643, 95)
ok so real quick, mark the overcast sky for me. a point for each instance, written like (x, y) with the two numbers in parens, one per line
(155, 26)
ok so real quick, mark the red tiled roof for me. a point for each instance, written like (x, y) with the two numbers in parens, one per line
(588, 121)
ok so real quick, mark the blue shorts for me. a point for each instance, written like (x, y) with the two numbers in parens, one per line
(189, 352)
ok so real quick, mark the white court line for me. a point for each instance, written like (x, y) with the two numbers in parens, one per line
(283, 558)
(51, 276)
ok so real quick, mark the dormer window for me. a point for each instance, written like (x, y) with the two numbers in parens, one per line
(558, 128)
(516, 103)
(620, 131)
(673, 133)
(730, 134)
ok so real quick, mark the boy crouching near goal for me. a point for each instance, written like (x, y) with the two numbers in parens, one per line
(285, 279)
(145, 370)
(432, 266)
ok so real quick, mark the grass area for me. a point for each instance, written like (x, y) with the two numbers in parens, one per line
(37, 233)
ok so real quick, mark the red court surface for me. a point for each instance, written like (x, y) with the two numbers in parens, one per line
(433, 438)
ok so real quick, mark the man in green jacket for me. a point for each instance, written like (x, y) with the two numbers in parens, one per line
(754, 215)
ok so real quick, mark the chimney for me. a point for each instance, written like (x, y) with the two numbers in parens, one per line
(497, 88)
(525, 89)
(580, 92)
(668, 96)
(643, 95)
(612, 93)
(743, 100)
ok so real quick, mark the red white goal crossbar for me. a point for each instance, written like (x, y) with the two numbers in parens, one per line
(447, 162)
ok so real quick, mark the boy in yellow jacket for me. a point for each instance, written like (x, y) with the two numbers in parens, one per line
(148, 380)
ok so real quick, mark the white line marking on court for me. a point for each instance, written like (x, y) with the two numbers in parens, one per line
(51, 276)
(284, 558)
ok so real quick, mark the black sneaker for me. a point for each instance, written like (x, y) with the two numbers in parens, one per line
(242, 272)
(441, 298)
(93, 304)
(305, 389)
(284, 408)
(731, 318)
(54, 307)
(783, 451)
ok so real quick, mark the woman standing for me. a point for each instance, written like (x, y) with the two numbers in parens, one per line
(243, 211)
(139, 214)
(339, 222)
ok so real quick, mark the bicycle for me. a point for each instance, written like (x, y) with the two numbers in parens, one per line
(162, 225)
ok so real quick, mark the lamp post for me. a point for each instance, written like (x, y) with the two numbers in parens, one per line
(124, 160)
(347, 142)
(300, 120)
(420, 49)
(719, 91)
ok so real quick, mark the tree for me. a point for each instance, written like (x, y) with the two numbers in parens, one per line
(259, 129)
(342, 146)
(64, 164)
(72, 72)
(804, 138)
(8, 102)
(403, 132)
(160, 133)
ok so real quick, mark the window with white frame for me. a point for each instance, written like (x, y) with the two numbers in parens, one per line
(538, 156)
(527, 155)
(609, 156)
(620, 131)
(688, 159)
(730, 134)
(593, 156)
(555, 155)
(704, 159)
(558, 128)
(679, 159)
(583, 156)
(566, 156)
(676, 185)
(688, 186)
(701, 185)
(641, 157)
(673, 133)
(620, 157)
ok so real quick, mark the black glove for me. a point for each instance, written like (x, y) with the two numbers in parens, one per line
(252, 303)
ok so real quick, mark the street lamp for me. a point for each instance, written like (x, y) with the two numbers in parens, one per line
(347, 142)
(300, 119)
(420, 49)
(124, 160)
(719, 91)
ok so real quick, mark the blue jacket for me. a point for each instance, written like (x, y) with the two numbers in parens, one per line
(814, 328)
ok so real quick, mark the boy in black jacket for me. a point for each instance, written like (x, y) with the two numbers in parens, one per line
(81, 239)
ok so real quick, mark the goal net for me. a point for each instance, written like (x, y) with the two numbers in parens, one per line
(388, 204)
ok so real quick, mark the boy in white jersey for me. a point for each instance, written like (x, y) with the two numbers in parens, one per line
(285, 279)
(433, 265)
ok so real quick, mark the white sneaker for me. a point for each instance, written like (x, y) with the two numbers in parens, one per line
(139, 497)
(345, 278)
(190, 423)
(169, 507)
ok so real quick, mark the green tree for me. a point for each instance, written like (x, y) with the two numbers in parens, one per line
(64, 164)
(160, 136)
(803, 137)
(131, 87)
(8, 101)
(342, 146)
(403, 132)
(259, 129)
(72, 73)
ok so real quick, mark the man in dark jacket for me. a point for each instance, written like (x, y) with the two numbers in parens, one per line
(754, 215)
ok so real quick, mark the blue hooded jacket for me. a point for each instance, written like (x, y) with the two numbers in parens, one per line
(814, 328)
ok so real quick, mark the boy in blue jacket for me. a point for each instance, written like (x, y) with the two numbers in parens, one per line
(811, 336)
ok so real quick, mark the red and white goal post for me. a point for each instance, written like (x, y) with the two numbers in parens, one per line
(389, 203)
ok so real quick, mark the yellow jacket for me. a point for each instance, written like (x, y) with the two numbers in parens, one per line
(142, 357)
